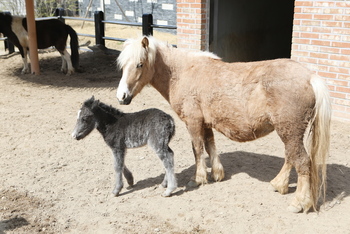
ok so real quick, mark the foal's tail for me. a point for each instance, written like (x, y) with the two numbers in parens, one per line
(74, 46)
(319, 139)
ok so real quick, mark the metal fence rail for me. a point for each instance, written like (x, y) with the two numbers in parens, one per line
(99, 23)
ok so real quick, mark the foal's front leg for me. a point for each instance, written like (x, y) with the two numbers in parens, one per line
(118, 167)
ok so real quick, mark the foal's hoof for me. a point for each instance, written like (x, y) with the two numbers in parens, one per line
(168, 192)
(115, 193)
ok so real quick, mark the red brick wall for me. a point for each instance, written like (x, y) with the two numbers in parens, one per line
(192, 27)
(321, 40)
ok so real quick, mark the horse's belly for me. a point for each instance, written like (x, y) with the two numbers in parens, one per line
(244, 132)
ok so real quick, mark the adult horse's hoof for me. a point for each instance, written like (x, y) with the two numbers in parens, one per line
(294, 209)
(272, 188)
(193, 184)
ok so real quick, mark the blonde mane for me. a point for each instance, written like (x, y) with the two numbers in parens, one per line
(136, 52)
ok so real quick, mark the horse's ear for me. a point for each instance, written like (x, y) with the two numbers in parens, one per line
(145, 42)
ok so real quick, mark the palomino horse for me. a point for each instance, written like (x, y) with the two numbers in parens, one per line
(51, 32)
(243, 101)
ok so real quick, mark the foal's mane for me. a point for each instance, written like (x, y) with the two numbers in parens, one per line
(135, 51)
(110, 110)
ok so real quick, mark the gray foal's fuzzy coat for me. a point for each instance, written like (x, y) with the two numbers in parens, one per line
(129, 130)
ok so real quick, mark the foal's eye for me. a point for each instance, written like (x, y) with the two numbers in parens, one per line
(139, 65)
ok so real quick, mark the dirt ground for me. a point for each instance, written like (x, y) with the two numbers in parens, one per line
(50, 183)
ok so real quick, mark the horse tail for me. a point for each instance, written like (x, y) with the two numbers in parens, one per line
(74, 46)
(319, 137)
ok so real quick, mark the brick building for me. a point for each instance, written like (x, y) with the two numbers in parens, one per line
(315, 33)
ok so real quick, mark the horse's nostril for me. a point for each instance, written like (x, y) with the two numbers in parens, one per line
(124, 96)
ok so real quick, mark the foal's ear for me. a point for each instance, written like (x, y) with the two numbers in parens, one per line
(95, 104)
(145, 42)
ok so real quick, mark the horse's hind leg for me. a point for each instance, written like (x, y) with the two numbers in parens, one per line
(167, 157)
(303, 199)
(67, 66)
(296, 156)
(217, 170)
(64, 64)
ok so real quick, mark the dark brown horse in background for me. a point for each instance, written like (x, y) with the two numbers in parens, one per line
(50, 32)
(243, 101)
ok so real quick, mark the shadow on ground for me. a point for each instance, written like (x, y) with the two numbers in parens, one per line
(98, 69)
(12, 224)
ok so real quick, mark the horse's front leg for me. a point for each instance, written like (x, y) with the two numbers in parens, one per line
(217, 170)
(196, 131)
(118, 167)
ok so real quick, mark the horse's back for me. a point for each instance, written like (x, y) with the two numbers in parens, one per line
(50, 32)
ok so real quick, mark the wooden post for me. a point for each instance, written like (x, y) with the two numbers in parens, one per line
(33, 45)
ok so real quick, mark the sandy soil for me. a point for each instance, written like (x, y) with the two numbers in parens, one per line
(50, 183)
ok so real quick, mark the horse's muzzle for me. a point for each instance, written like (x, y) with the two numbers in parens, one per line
(126, 100)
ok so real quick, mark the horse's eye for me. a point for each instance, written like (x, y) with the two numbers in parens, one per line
(139, 65)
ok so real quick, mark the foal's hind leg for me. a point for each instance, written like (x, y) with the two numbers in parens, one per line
(217, 170)
(128, 176)
(167, 157)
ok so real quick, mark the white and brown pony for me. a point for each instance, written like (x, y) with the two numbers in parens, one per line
(243, 101)
(50, 32)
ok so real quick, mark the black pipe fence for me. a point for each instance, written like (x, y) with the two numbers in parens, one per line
(99, 22)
